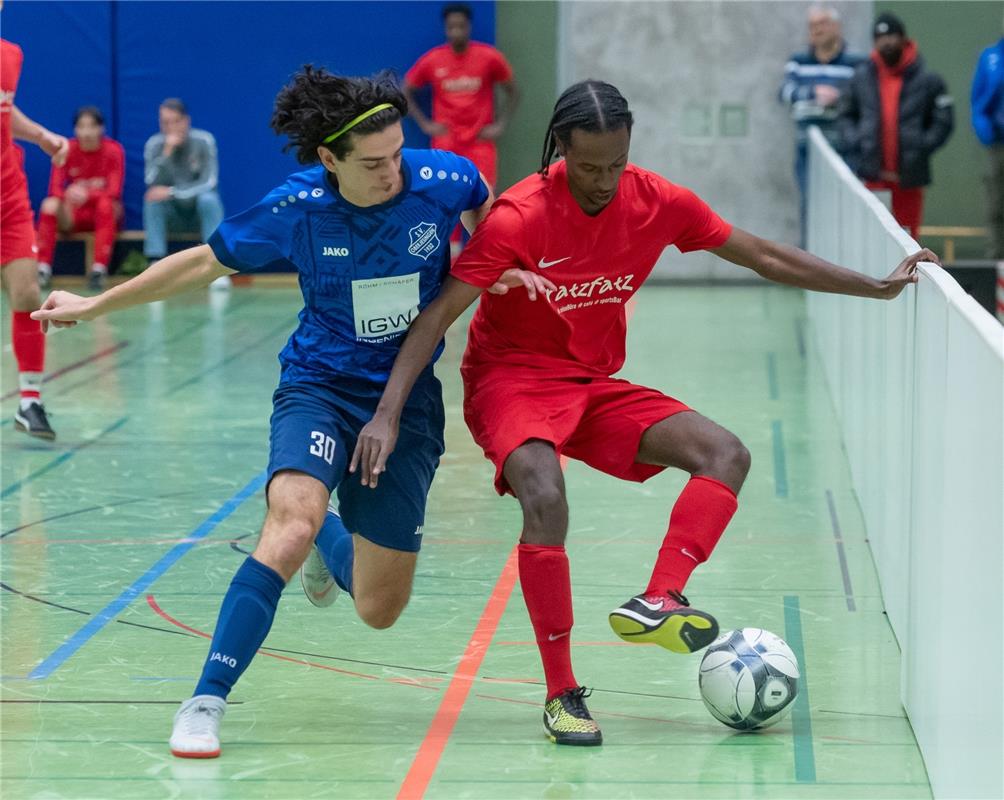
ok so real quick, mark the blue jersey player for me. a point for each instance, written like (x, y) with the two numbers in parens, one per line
(367, 230)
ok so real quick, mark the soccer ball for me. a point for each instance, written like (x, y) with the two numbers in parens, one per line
(748, 678)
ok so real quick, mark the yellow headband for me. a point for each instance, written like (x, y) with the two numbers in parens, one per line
(356, 121)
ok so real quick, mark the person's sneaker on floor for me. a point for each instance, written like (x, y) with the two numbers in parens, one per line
(666, 620)
(44, 276)
(317, 582)
(31, 418)
(221, 284)
(96, 280)
(196, 732)
(567, 720)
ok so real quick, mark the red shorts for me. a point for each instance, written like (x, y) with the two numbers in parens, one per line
(482, 152)
(17, 223)
(599, 421)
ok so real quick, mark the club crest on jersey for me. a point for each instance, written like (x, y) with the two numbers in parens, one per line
(424, 240)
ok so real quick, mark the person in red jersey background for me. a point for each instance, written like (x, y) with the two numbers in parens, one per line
(537, 376)
(463, 76)
(85, 194)
(18, 265)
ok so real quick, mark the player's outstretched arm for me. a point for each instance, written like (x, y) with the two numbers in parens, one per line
(25, 128)
(177, 273)
(785, 264)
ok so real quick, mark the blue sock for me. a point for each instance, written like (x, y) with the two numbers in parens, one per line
(334, 543)
(244, 621)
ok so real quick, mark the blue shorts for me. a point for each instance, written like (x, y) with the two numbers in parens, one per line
(314, 430)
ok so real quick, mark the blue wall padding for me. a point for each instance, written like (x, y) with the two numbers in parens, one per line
(225, 60)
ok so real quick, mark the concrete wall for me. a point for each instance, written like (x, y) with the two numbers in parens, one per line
(526, 32)
(702, 78)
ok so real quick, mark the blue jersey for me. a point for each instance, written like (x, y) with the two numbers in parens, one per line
(365, 273)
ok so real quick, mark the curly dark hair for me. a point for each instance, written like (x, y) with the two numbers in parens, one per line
(316, 103)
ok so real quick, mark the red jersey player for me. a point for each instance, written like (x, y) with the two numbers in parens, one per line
(84, 195)
(17, 242)
(537, 379)
(463, 75)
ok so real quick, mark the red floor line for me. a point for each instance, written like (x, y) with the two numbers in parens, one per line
(76, 364)
(161, 613)
(429, 752)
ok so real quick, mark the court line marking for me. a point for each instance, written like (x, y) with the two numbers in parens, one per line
(772, 384)
(841, 555)
(62, 458)
(75, 365)
(137, 355)
(152, 602)
(66, 650)
(426, 760)
(800, 336)
(780, 468)
(801, 727)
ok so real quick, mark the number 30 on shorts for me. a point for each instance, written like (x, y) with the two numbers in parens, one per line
(323, 446)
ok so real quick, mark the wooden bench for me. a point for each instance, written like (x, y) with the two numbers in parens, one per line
(949, 233)
(87, 237)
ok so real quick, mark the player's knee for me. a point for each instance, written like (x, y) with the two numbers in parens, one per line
(50, 205)
(730, 457)
(288, 538)
(381, 610)
(544, 506)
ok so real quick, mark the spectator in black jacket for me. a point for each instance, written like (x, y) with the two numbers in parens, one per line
(894, 115)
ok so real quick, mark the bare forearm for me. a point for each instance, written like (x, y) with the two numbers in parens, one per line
(177, 273)
(25, 128)
(415, 354)
(419, 345)
(507, 110)
(788, 265)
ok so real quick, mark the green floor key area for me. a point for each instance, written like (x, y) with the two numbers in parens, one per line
(120, 538)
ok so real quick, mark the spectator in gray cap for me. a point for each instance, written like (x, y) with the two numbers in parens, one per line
(181, 174)
(813, 81)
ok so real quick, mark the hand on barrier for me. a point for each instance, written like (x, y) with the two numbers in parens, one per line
(906, 273)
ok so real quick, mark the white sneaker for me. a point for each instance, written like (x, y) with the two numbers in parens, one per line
(196, 732)
(318, 585)
(221, 283)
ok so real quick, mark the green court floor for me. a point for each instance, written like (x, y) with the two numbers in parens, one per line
(119, 540)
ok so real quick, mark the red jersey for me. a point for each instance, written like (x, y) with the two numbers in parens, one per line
(597, 263)
(102, 170)
(11, 58)
(463, 86)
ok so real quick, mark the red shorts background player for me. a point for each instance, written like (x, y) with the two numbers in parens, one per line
(17, 242)
(537, 373)
(463, 76)
(85, 194)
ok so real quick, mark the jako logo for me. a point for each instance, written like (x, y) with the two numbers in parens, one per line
(230, 661)
(396, 322)
(335, 251)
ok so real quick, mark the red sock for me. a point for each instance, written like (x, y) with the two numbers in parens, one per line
(29, 351)
(697, 522)
(45, 238)
(547, 590)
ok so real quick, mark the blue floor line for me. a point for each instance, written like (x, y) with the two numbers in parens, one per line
(131, 592)
(805, 758)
